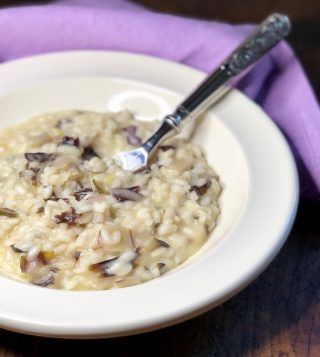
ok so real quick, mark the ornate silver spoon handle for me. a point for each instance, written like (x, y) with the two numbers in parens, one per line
(266, 36)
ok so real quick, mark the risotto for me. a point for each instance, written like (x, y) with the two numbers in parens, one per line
(70, 218)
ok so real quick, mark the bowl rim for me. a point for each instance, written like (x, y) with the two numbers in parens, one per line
(43, 322)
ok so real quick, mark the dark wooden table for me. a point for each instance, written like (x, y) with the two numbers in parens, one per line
(277, 315)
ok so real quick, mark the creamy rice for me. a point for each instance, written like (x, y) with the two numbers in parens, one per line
(70, 218)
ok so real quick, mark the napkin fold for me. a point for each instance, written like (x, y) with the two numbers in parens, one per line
(277, 83)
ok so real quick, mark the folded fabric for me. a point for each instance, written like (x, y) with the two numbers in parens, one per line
(278, 83)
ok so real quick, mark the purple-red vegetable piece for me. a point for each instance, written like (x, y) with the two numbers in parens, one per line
(132, 239)
(88, 153)
(126, 194)
(7, 212)
(68, 140)
(161, 266)
(44, 281)
(102, 267)
(71, 218)
(55, 198)
(39, 156)
(79, 195)
(63, 122)
(201, 190)
(166, 147)
(132, 137)
(162, 243)
(15, 249)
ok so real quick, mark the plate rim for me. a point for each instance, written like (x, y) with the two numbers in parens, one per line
(33, 327)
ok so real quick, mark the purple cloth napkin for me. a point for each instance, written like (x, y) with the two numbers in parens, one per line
(278, 83)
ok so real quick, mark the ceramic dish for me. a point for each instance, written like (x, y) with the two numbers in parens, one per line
(254, 162)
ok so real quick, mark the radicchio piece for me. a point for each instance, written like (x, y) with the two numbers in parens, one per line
(162, 243)
(7, 212)
(63, 122)
(132, 137)
(77, 255)
(133, 244)
(100, 239)
(34, 174)
(166, 147)
(201, 190)
(138, 251)
(15, 249)
(69, 140)
(30, 173)
(39, 156)
(44, 281)
(88, 153)
(155, 228)
(79, 195)
(135, 189)
(55, 198)
(144, 170)
(161, 267)
(40, 210)
(26, 266)
(126, 194)
(70, 218)
(103, 266)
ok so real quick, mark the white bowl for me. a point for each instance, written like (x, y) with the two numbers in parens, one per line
(247, 150)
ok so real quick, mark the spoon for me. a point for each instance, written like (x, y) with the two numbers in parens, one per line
(265, 37)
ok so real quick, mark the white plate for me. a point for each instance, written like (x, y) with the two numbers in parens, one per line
(244, 146)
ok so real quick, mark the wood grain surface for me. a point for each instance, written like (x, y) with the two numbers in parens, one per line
(277, 315)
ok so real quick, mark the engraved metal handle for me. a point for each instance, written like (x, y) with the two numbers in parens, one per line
(265, 37)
